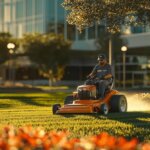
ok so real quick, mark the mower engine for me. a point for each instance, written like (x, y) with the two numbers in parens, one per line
(86, 92)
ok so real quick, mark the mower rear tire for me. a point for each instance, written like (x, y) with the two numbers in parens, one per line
(68, 100)
(118, 103)
(55, 108)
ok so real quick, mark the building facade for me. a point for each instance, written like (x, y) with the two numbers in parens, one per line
(27, 16)
(45, 16)
(23, 16)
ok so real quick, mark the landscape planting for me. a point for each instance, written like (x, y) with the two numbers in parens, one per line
(29, 138)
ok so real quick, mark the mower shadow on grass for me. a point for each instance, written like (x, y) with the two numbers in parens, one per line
(138, 119)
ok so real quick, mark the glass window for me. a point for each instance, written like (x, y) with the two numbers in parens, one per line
(50, 27)
(19, 9)
(7, 13)
(1, 11)
(60, 28)
(81, 36)
(71, 32)
(147, 28)
(39, 26)
(38, 7)
(50, 8)
(91, 32)
(50, 17)
(29, 27)
(100, 30)
(29, 7)
(137, 29)
(60, 11)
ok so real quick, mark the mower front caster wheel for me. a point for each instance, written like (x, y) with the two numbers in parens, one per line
(55, 108)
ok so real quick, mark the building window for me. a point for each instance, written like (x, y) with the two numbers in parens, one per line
(50, 27)
(19, 9)
(60, 28)
(29, 8)
(71, 32)
(100, 30)
(137, 29)
(60, 12)
(1, 12)
(50, 7)
(38, 7)
(147, 28)
(39, 26)
(29, 27)
(7, 13)
(91, 32)
(81, 36)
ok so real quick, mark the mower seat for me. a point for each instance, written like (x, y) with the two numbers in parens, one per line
(110, 86)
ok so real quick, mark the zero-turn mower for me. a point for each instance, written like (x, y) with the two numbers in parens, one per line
(85, 100)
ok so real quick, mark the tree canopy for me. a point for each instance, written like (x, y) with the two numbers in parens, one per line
(50, 52)
(111, 13)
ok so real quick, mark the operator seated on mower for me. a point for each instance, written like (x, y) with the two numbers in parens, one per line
(102, 75)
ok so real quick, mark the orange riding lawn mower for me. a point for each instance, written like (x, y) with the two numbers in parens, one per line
(85, 100)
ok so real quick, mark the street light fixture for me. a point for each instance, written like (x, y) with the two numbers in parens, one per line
(124, 49)
(11, 47)
(11, 51)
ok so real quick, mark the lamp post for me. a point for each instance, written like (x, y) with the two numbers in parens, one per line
(11, 47)
(110, 51)
(124, 49)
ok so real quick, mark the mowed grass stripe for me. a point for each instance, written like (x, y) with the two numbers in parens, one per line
(35, 109)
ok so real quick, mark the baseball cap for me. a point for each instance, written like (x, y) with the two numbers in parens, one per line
(101, 57)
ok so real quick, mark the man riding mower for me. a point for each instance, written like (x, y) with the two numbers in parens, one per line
(96, 95)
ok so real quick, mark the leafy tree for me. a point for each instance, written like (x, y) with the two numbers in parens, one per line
(6, 38)
(50, 52)
(112, 13)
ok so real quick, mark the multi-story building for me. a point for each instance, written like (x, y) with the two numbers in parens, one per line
(138, 56)
(26, 16)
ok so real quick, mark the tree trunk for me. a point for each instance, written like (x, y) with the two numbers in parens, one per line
(50, 77)
(50, 81)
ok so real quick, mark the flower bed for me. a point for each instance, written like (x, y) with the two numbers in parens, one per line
(28, 138)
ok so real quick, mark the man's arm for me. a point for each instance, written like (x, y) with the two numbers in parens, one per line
(108, 76)
(93, 73)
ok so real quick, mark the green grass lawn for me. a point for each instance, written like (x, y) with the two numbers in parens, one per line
(35, 109)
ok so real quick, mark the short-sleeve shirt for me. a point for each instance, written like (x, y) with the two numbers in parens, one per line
(101, 71)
